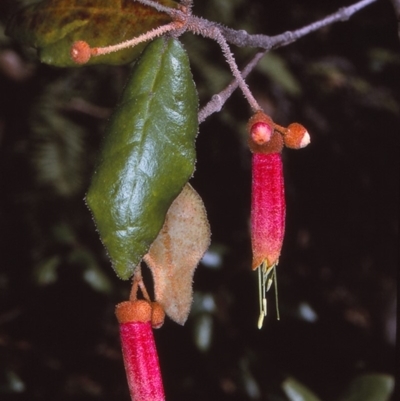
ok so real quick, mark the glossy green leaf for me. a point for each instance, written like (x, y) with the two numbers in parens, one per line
(370, 387)
(148, 154)
(52, 26)
(296, 391)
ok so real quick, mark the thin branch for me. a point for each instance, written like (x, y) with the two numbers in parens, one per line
(161, 30)
(218, 100)
(236, 73)
(157, 6)
(242, 38)
(208, 29)
(183, 20)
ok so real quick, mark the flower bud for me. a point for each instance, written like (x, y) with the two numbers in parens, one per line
(296, 136)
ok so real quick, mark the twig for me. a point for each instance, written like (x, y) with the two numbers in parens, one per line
(211, 31)
(218, 100)
(183, 20)
(242, 39)
(161, 30)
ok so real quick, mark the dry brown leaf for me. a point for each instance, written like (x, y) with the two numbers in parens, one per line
(176, 252)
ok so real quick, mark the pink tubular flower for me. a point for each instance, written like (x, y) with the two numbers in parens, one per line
(267, 195)
(267, 209)
(139, 350)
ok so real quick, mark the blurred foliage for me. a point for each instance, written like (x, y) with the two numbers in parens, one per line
(58, 336)
(296, 391)
(369, 387)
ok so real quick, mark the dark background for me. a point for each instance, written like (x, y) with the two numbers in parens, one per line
(58, 334)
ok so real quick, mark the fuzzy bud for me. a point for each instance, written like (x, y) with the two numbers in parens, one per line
(157, 315)
(260, 132)
(296, 136)
(80, 52)
(134, 311)
(262, 136)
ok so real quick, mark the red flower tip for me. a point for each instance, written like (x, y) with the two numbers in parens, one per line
(80, 52)
(263, 138)
(261, 132)
(296, 136)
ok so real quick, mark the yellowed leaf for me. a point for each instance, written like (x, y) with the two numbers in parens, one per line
(176, 252)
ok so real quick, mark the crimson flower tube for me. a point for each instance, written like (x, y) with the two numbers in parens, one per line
(268, 206)
(142, 367)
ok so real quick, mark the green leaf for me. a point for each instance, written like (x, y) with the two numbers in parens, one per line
(296, 391)
(148, 154)
(370, 387)
(52, 26)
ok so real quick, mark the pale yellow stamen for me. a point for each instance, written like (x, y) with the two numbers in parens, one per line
(266, 276)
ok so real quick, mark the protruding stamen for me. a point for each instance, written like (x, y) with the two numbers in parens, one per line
(269, 283)
(260, 320)
(266, 277)
(278, 316)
